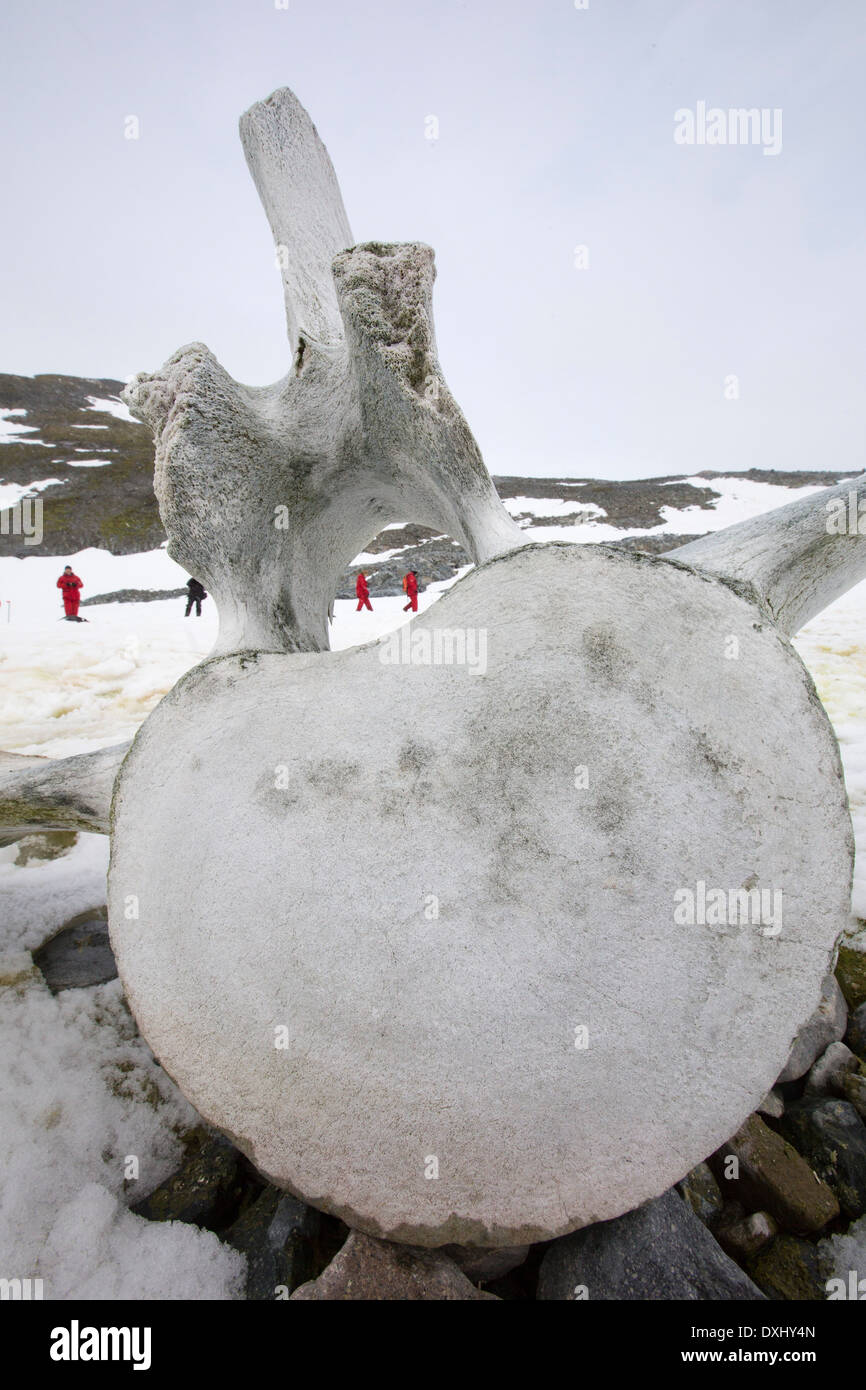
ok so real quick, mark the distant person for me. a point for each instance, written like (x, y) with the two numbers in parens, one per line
(71, 586)
(194, 595)
(362, 592)
(410, 589)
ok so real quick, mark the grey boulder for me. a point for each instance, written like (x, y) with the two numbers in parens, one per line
(825, 1026)
(659, 1251)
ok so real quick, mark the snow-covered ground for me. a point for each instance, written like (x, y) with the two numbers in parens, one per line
(79, 1091)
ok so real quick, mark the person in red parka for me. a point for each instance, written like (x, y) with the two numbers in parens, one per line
(362, 592)
(71, 586)
(410, 589)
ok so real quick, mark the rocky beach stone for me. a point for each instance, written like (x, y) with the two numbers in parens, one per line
(832, 1136)
(205, 1191)
(856, 1034)
(854, 1090)
(702, 1193)
(484, 1266)
(659, 1251)
(368, 1269)
(826, 1025)
(79, 954)
(789, 1268)
(827, 1075)
(773, 1104)
(745, 1237)
(278, 1235)
(851, 970)
(772, 1176)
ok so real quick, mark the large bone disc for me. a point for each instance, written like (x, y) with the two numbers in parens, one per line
(419, 936)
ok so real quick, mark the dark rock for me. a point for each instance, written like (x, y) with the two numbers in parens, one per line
(379, 1270)
(207, 1191)
(483, 1266)
(854, 1090)
(133, 596)
(745, 1237)
(773, 1104)
(659, 1251)
(851, 974)
(789, 1269)
(856, 1035)
(278, 1234)
(772, 1176)
(826, 1025)
(832, 1136)
(79, 954)
(703, 1194)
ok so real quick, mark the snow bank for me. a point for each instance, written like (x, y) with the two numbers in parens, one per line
(840, 1254)
(80, 1094)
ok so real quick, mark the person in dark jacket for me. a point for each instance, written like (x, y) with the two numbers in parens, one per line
(194, 595)
(71, 587)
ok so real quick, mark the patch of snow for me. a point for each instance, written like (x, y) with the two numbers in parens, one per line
(110, 405)
(552, 506)
(739, 500)
(11, 432)
(43, 894)
(11, 493)
(89, 463)
(840, 1254)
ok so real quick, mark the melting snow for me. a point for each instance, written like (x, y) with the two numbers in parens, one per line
(109, 405)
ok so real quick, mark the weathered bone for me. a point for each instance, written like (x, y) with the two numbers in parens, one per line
(794, 559)
(302, 996)
(58, 793)
(299, 191)
(267, 495)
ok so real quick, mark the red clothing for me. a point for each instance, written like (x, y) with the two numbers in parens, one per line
(71, 585)
(363, 594)
(410, 588)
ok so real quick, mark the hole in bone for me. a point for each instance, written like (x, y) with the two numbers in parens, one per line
(401, 546)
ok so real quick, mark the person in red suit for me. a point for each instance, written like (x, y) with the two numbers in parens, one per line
(410, 589)
(362, 592)
(71, 586)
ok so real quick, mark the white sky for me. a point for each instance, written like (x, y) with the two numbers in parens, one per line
(555, 130)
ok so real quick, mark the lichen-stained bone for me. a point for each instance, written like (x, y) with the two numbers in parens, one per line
(796, 559)
(58, 793)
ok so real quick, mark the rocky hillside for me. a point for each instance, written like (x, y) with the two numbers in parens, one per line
(72, 441)
(76, 431)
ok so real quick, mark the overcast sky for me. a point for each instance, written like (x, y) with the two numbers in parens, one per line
(719, 322)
